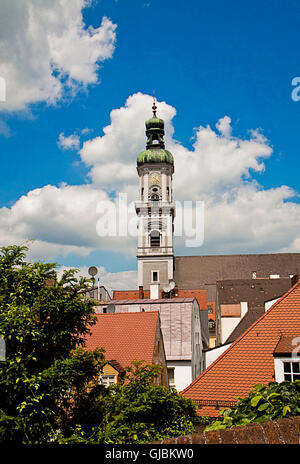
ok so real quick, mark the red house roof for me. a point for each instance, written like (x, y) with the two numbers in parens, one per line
(249, 360)
(200, 295)
(287, 344)
(126, 337)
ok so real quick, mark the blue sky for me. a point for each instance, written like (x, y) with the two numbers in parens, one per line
(206, 59)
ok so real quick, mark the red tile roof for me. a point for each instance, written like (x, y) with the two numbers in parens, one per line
(126, 337)
(249, 360)
(128, 294)
(288, 344)
(200, 295)
(174, 300)
(212, 304)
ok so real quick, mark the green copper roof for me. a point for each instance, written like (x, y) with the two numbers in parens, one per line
(155, 155)
(154, 122)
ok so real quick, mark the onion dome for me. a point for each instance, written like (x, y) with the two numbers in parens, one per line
(155, 148)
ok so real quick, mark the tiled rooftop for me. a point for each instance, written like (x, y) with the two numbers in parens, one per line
(126, 337)
(200, 295)
(249, 360)
(288, 344)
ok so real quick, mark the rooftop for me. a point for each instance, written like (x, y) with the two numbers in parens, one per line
(248, 360)
(126, 337)
(255, 291)
(202, 272)
(200, 295)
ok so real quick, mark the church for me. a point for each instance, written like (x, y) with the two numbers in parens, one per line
(193, 282)
(160, 272)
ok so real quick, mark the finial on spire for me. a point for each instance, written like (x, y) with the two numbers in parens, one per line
(154, 107)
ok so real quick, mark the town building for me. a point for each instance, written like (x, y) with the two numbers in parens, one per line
(185, 333)
(241, 301)
(128, 337)
(97, 292)
(267, 351)
(251, 282)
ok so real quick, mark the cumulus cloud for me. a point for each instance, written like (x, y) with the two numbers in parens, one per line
(112, 157)
(47, 51)
(240, 215)
(63, 220)
(70, 142)
(124, 280)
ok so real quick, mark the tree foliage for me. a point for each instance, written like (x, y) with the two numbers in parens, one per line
(44, 378)
(262, 404)
(136, 410)
(49, 384)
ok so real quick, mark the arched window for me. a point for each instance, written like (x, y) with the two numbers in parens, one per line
(154, 238)
(154, 197)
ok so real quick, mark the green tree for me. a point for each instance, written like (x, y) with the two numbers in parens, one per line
(45, 382)
(264, 402)
(137, 410)
(49, 388)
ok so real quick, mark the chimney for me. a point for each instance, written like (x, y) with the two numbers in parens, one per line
(141, 292)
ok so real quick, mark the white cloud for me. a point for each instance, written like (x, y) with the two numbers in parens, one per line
(62, 219)
(240, 215)
(124, 280)
(70, 142)
(46, 50)
(4, 129)
(112, 157)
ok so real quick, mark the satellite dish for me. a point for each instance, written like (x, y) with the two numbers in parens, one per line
(93, 271)
(172, 284)
(167, 288)
(110, 308)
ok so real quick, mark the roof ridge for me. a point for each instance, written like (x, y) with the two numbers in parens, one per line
(156, 311)
(297, 284)
(240, 254)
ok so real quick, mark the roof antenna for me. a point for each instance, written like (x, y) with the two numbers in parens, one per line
(154, 107)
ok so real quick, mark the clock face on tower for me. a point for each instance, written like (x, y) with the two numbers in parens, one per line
(155, 178)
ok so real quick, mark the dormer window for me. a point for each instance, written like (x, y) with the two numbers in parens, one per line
(287, 358)
(291, 371)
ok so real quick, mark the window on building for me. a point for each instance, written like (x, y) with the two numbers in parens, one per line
(154, 239)
(154, 276)
(291, 371)
(171, 376)
(211, 324)
(104, 310)
(108, 380)
(209, 309)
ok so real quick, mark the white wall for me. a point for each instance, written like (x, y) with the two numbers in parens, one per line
(270, 303)
(213, 354)
(228, 324)
(182, 373)
(244, 308)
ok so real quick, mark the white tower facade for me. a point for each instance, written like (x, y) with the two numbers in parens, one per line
(155, 210)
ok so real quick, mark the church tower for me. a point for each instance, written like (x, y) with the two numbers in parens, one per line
(155, 211)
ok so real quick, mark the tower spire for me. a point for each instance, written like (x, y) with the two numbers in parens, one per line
(154, 107)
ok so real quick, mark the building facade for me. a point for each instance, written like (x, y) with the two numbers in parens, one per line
(155, 210)
(184, 329)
